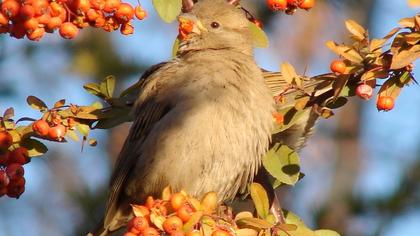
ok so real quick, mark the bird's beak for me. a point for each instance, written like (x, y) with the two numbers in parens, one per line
(189, 24)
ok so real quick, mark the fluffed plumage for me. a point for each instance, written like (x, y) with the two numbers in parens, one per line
(202, 121)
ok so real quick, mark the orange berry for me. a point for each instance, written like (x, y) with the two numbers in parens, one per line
(150, 232)
(20, 155)
(68, 30)
(185, 212)
(278, 118)
(173, 223)
(3, 191)
(41, 127)
(10, 8)
(338, 66)
(4, 20)
(178, 200)
(97, 4)
(6, 140)
(177, 233)
(130, 234)
(15, 171)
(307, 4)
(277, 5)
(364, 91)
(56, 9)
(150, 202)
(195, 233)
(127, 29)
(137, 224)
(125, 12)
(30, 25)
(385, 103)
(81, 6)
(16, 187)
(111, 5)
(220, 232)
(140, 13)
(54, 23)
(57, 132)
(27, 12)
(40, 7)
(44, 19)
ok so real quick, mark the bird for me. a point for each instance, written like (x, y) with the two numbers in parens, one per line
(201, 122)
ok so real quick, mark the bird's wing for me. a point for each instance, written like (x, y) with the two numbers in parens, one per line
(148, 111)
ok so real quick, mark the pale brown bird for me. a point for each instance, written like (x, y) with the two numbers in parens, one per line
(202, 121)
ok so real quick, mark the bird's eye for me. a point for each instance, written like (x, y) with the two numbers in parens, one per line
(215, 25)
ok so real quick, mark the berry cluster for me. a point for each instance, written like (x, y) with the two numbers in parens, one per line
(176, 214)
(34, 18)
(364, 91)
(53, 126)
(290, 6)
(12, 182)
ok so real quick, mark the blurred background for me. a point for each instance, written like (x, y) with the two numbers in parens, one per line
(362, 167)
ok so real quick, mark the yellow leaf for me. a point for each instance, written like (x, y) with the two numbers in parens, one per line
(356, 30)
(414, 3)
(259, 36)
(260, 198)
(289, 72)
(345, 51)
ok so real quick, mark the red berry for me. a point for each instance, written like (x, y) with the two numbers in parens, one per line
(57, 132)
(3, 191)
(338, 66)
(19, 155)
(68, 30)
(4, 158)
(16, 187)
(4, 179)
(364, 91)
(385, 103)
(6, 140)
(277, 5)
(17, 31)
(15, 171)
(41, 127)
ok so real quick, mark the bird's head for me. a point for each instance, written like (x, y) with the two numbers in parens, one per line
(214, 24)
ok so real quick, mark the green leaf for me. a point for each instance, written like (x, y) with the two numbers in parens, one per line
(283, 164)
(175, 47)
(260, 199)
(258, 35)
(93, 88)
(107, 86)
(36, 103)
(35, 147)
(168, 10)
(71, 134)
(83, 129)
